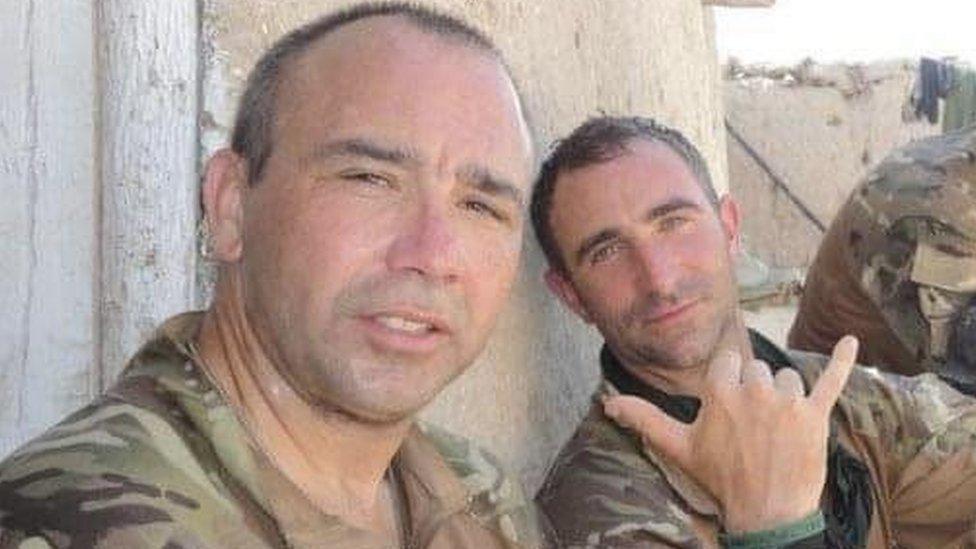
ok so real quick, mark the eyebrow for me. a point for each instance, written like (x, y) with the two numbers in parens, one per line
(670, 206)
(657, 212)
(485, 181)
(363, 148)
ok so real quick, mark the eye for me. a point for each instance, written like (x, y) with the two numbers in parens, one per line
(604, 253)
(368, 178)
(673, 222)
(480, 207)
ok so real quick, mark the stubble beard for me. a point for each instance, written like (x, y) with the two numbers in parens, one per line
(377, 389)
(686, 346)
(371, 385)
(686, 350)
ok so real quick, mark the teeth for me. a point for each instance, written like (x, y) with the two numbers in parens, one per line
(402, 324)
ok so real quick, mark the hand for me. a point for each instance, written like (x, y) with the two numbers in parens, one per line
(758, 445)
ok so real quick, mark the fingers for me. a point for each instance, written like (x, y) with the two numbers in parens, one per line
(656, 429)
(828, 388)
(725, 370)
(788, 382)
(756, 372)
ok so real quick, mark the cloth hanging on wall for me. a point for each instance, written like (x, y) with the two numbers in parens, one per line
(935, 80)
(960, 103)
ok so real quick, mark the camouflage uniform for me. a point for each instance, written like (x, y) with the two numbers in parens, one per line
(901, 471)
(160, 460)
(897, 268)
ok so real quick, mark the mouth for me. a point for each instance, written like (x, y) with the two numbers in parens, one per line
(405, 331)
(399, 323)
(664, 315)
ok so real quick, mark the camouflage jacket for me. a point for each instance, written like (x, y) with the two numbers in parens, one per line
(897, 268)
(160, 460)
(901, 471)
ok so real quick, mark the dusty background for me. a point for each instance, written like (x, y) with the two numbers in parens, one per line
(820, 128)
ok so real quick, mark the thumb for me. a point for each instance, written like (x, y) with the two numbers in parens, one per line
(656, 429)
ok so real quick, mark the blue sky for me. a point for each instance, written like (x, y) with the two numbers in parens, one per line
(848, 30)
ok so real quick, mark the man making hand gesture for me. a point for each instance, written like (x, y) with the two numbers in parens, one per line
(703, 432)
(745, 407)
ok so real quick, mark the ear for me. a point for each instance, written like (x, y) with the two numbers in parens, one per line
(563, 289)
(224, 185)
(728, 215)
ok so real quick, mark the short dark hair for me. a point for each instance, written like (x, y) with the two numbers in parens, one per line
(602, 139)
(253, 124)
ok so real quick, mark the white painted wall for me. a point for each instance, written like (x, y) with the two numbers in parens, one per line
(147, 69)
(48, 244)
(98, 153)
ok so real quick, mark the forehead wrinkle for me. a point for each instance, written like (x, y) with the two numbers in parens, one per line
(365, 148)
(388, 38)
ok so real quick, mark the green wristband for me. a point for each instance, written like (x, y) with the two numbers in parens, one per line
(779, 536)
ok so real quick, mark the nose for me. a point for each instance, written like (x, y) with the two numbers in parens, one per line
(657, 268)
(427, 242)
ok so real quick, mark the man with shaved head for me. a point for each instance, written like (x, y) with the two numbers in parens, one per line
(367, 222)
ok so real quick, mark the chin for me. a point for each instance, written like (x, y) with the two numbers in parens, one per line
(385, 412)
(379, 390)
(380, 417)
(391, 404)
(679, 355)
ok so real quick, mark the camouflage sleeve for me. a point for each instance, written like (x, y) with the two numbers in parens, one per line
(111, 475)
(602, 492)
(55, 509)
(497, 500)
(918, 437)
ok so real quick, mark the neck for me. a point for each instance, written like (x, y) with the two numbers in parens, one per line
(688, 380)
(337, 461)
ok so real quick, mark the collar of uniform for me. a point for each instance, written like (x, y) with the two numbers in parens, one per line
(430, 488)
(170, 359)
(684, 408)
